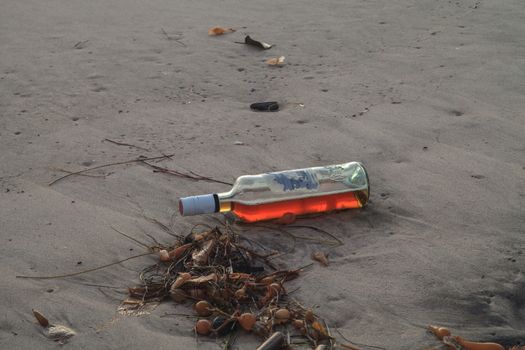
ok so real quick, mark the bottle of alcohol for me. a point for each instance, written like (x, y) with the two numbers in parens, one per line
(287, 193)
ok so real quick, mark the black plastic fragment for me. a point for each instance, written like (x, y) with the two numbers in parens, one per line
(265, 106)
(259, 44)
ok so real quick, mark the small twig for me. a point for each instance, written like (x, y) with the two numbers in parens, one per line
(71, 172)
(170, 38)
(318, 230)
(157, 243)
(107, 295)
(220, 312)
(98, 285)
(164, 227)
(133, 239)
(264, 258)
(252, 242)
(253, 252)
(199, 225)
(81, 44)
(231, 340)
(154, 221)
(140, 159)
(126, 144)
(353, 342)
(331, 339)
(293, 291)
(84, 271)
(278, 229)
(179, 314)
(319, 241)
(196, 177)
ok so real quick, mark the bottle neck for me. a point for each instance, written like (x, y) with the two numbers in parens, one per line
(225, 202)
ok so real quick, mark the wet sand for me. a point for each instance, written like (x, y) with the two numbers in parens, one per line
(429, 95)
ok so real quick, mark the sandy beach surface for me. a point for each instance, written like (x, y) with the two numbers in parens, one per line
(428, 94)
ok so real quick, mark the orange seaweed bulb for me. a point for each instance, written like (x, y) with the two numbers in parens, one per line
(203, 327)
(247, 321)
(203, 308)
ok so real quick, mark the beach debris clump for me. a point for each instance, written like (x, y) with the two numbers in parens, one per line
(232, 287)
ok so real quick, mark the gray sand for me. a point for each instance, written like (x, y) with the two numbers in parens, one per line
(429, 95)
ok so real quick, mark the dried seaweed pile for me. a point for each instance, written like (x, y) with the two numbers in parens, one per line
(232, 287)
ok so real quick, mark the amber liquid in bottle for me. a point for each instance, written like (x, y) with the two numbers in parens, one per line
(296, 207)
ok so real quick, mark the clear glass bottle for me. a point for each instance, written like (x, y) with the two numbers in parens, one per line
(287, 193)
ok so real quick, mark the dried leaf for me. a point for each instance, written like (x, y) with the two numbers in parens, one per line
(197, 293)
(179, 282)
(41, 318)
(259, 44)
(239, 276)
(220, 31)
(176, 253)
(320, 257)
(204, 279)
(178, 295)
(200, 256)
(276, 61)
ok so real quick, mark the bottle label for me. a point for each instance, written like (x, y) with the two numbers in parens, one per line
(294, 180)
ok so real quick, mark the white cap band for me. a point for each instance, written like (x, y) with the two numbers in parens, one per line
(194, 205)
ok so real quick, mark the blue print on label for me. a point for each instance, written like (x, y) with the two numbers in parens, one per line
(295, 180)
